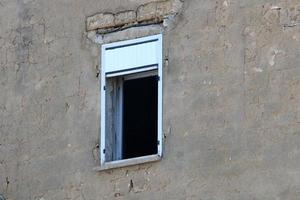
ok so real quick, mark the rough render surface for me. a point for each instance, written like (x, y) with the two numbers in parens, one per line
(154, 11)
(231, 103)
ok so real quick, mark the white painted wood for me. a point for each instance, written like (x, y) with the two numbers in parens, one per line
(160, 95)
(103, 82)
(123, 58)
(131, 54)
(131, 71)
(113, 118)
(141, 75)
(119, 121)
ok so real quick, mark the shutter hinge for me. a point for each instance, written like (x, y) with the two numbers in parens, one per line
(158, 78)
(98, 72)
(104, 88)
(103, 151)
(158, 142)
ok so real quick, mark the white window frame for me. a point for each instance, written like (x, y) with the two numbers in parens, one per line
(157, 64)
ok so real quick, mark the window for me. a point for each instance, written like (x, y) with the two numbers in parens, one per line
(131, 102)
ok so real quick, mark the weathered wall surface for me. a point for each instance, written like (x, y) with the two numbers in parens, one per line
(231, 103)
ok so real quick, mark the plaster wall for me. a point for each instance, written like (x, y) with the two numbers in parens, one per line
(231, 103)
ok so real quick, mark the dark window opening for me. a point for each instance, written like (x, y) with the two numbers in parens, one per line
(140, 101)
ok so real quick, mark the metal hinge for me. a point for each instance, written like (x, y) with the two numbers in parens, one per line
(97, 72)
(158, 142)
(158, 78)
(104, 88)
(103, 151)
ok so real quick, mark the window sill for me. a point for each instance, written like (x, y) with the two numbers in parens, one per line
(127, 162)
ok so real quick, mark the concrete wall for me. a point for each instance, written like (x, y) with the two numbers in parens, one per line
(231, 103)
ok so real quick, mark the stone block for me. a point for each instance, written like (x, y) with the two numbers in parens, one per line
(146, 12)
(163, 8)
(126, 17)
(153, 11)
(158, 10)
(101, 20)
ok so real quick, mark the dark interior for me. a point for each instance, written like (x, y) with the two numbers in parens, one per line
(140, 117)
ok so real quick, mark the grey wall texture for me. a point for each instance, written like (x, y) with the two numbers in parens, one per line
(231, 103)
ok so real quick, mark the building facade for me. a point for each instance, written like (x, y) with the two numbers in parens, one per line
(231, 99)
